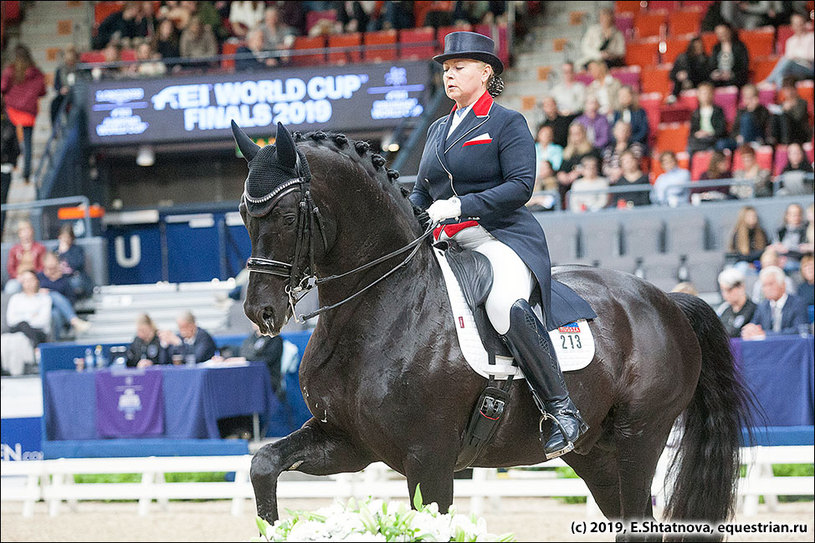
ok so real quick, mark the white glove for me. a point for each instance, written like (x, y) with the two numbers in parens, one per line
(444, 209)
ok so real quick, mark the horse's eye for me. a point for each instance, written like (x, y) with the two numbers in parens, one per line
(289, 220)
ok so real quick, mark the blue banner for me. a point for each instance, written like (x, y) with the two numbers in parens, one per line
(129, 403)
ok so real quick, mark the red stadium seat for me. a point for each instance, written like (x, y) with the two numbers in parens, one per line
(760, 42)
(727, 98)
(650, 23)
(764, 157)
(688, 99)
(625, 24)
(709, 40)
(784, 32)
(780, 159)
(417, 43)
(101, 10)
(685, 21)
(766, 93)
(128, 55)
(345, 48)
(627, 75)
(315, 47)
(380, 46)
(761, 67)
(92, 57)
(674, 46)
(642, 53)
(657, 79)
(704, 4)
(627, 6)
(499, 35)
(229, 48)
(672, 137)
(651, 103)
(807, 92)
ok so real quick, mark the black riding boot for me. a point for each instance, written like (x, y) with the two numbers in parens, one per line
(532, 348)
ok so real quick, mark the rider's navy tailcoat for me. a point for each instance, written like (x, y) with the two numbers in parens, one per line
(489, 163)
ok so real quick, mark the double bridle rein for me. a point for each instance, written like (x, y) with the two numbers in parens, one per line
(309, 222)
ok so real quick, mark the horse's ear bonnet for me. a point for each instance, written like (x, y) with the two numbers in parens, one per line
(270, 168)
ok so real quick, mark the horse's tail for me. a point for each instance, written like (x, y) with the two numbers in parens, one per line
(705, 469)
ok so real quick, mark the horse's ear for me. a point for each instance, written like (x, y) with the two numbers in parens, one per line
(286, 151)
(248, 147)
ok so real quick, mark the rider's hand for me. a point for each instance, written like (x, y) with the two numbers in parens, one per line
(444, 209)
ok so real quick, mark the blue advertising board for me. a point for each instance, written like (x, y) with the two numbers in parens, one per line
(353, 97)
(21, 439)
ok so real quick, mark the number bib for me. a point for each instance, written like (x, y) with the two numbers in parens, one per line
(574, 345)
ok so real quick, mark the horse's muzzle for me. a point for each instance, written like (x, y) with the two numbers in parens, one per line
(269, 320)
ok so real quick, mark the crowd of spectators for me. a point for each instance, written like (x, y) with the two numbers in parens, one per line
(612, 122)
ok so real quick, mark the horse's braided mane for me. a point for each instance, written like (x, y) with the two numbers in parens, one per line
(359, 152)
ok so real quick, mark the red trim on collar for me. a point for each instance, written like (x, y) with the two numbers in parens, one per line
(481, 106)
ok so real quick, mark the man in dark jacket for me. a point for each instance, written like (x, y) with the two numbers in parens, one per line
(708, 126)
(193, 344)
(729, 62)
(780, 313)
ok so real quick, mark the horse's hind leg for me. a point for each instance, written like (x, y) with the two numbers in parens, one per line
(309, 450)
(598, 469)
(638, 451)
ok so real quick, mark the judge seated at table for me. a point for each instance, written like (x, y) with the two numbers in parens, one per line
(192, 345)
(145, 350)
(780, 313)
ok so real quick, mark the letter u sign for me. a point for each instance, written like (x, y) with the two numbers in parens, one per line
(135, 251)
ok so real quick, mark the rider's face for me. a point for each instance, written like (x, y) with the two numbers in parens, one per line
(464, 78)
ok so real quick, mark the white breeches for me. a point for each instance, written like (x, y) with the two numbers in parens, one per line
(512, 279)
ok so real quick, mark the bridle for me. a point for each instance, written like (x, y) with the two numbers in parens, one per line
(310, 221)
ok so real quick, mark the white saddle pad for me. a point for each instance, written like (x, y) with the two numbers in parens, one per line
(574, 343)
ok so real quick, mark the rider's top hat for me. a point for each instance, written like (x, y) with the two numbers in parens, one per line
(470, 45)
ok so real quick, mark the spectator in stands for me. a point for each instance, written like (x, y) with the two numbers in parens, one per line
(729, 60)
(29, 311)
(780, 312)
(750, 15)
(121, 26)
(64, 79)
(806, 288)
(631, 175)
(790, 238)
(799, 54)
(25, 255)
(72, 262)
(149, 64)
(620, 143)
(569, 93)
(690, 68)
(198, 42)
(708, 126)
(146, 21)
(584, 195)
(737, 309)
(166, 43)
(559, 123)
(796, 178)
(603, 41)
(145, 349)
(597, 129)
(359, 16)
(293, 15)
(808, 246)
(58, 286)
(770, 257)
(629, 111)
(111, 68)
(482, 13)
(176, 13)
(435, 13)
(21, 86)
(276, 35)
(718, 168)
(546, 149)
(760, 178)
(253, 56)
(398, 15)
(545, 180)
(792, 121)
(671, 187)
(752, 124)
(748, 240)
(604, 87)
(577, 148)
(192, 344)
(244, 16)
(209, 16)
(9, 152)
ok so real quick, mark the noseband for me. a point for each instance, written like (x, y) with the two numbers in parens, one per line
(309, 221)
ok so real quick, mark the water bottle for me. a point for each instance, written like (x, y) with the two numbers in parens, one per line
(89, 359)
(100, 357)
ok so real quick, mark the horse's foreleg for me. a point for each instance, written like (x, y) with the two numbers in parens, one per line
(434, 475)
(310, 450)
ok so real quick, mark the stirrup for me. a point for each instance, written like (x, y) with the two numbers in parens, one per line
(569, 447)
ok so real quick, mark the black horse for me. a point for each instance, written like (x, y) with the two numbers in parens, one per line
(385, 379)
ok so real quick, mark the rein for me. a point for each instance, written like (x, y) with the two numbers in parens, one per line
(309, 220)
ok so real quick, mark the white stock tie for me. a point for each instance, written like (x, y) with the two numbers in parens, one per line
(776, 316)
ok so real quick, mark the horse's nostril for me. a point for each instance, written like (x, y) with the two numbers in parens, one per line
(268, 314)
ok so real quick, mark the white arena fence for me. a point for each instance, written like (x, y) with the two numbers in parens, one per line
(52, 481)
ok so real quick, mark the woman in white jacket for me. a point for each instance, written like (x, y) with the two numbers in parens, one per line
(29, 313)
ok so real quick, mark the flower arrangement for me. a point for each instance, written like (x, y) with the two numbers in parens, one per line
(377, 520)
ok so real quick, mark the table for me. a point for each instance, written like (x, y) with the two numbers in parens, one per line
(779, 371)
(194, 399)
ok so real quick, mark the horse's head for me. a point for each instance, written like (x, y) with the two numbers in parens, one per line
(277, 210)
